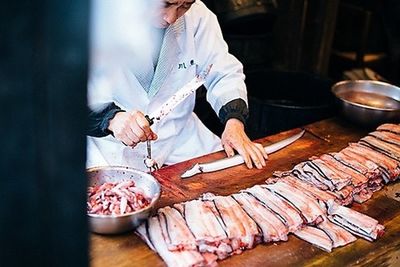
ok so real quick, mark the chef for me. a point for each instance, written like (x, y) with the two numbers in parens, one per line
(140, 56)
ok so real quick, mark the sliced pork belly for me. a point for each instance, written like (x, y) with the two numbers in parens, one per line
(355, 222)
(178, 237)
(334, 183)
(310, 173)
(389, 167)
(338, 235)
(372, 172)
(359, 182)
(278, 177)
(338, 179)
(306, 205)
(289, 216)
(308, 188)
(345, 195)
(389, 137)
(272, 227)
(383, 147)
(206, 227)
(241, 230)
(351, 162)
(394, 128)
(152, 233)
(210, 259)
(356, 178)
(354, 150)
(315, 236)
(143, 232)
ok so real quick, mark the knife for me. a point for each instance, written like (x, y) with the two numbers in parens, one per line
(238, 159)
(168, 106)
(178, 97)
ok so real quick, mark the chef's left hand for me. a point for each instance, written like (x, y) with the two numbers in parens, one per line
(234, 139)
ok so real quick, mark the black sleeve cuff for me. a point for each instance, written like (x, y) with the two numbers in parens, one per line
(236, 108)
(99, 119)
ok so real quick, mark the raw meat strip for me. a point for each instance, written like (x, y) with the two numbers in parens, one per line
(271, 226)
(354, 222)
(315, 236)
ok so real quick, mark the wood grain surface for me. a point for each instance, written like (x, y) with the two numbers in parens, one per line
(325, 136)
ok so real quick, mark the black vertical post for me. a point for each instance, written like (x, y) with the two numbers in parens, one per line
(43, 74)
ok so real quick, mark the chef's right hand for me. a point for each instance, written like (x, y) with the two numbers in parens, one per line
(131, 128)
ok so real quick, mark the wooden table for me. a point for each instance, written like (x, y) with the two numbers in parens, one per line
(325, 136)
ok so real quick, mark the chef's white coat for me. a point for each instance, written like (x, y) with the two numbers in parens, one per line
(119, 52)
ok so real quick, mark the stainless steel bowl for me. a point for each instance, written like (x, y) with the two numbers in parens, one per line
(111, 224)
(368, 103)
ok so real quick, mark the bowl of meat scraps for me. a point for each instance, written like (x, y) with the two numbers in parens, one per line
(119, 198)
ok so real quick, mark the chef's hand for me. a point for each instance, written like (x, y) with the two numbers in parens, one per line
(131, 128)
(234, 138)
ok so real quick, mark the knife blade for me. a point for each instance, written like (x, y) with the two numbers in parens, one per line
(238, 159)
(178, 97)
(169, 105)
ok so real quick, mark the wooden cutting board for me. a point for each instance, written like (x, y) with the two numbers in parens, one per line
(325, 136)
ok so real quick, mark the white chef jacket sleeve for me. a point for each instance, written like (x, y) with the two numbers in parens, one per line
(226, 79)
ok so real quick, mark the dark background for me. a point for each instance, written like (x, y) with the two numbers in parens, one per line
(292, 51)
(43, 70)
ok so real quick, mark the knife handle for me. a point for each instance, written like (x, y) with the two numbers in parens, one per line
(150, 120)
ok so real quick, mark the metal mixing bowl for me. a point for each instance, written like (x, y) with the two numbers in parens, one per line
(113, 224)
(368, 103)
